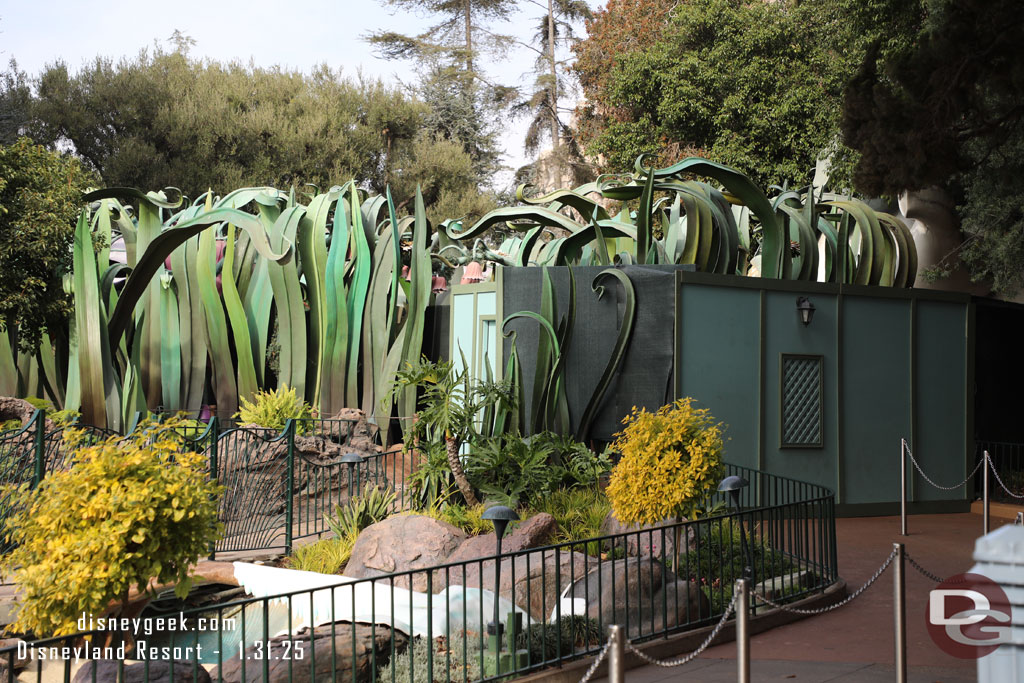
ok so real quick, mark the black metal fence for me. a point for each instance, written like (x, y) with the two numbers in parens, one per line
(433, 624)
(1008, 462)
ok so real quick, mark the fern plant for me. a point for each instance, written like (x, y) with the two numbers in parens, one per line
(272, 409)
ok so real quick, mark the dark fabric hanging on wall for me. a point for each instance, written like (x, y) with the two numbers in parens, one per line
(643, 380)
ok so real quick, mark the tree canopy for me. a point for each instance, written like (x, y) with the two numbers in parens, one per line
(757, 86)
(947, 110)
(40, 198)
(166, 119)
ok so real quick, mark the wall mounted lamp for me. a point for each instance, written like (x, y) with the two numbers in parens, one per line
(804, 309)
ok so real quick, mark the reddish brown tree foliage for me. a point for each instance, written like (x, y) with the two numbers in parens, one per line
(619, 29)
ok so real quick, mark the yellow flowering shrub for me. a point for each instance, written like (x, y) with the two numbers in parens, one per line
(671, 463)
(127, 511)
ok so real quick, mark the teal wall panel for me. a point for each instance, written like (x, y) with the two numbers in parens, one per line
(719, 366)
(784, 333)
(875, 395)
(940, 372)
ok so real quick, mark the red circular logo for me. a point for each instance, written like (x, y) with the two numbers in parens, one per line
(968, 616)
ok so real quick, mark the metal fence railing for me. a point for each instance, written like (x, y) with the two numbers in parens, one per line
(1008, 463)
(556, 603)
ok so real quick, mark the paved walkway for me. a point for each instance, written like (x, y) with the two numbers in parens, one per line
(855, 643)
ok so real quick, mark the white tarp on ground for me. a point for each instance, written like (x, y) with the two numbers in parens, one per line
(454, 609)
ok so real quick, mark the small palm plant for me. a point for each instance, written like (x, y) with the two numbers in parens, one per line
(454, 409)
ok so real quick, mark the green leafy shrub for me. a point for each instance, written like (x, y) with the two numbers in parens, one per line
(432, 482)
(671, 463)
(514, 469)
(39, 403)
(372, 506)
(64, 418)
(448, 661)
(568, 634)
(130, 509)
(719, 559)
(326, 556)
(272, 409)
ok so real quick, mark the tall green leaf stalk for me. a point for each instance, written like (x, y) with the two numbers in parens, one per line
(181, 303)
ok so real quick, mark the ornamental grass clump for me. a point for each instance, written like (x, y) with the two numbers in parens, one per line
(130, 509)
(671, 463)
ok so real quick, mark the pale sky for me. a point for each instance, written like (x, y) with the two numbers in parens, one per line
(297, 36)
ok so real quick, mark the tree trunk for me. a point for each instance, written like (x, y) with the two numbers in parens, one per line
(553, 93)
(467, 6)
(452, 446)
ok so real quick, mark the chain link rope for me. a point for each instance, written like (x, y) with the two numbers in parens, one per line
(992, 466)
(597, 662)
(927, 574)
(696, 653)
(929, 479)
(847, 600)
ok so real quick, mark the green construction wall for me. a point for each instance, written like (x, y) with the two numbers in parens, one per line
(895, 364)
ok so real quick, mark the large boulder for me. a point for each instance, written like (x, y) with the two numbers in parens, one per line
(532, 580)
(531, 533)
(17, 409)
(639, 593)
(362, 436)
(156, 671)
(403, 543)
(646, 540)
(339, 652)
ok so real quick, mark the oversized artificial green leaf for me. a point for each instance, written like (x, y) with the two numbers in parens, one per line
(618, 352)
(95, 368)
(536, 215)
(170, 347)
(644, 235)
(225, 388)
(554, 201)
(312, 246)
(420, 275)
(570, 247)
(333, 381)
(291, 314)
(248, 385)
(163, 245)
(774, 239)
(8, 369)
(363, 267)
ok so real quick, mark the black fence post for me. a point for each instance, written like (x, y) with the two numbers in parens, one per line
(213, 433)
(39, 443)
(289, 510)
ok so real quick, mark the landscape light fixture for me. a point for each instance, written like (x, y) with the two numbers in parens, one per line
(733, 485)
(500, 516)
(351, 460)
(804, 309)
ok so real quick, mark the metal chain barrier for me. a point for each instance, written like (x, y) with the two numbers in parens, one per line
(848, 599)
(924, 572)
(999, 479)
(939, 486)
(597, 662)
(696, 653)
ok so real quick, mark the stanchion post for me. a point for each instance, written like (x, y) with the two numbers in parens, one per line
(903, 487)
(616, 655)
(900, 614)
(984, 493)
(743, 631)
